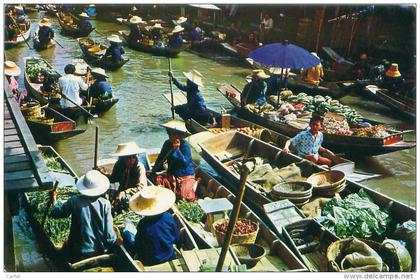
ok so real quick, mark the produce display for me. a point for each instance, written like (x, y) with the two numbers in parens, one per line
(245, 130)
(38, 69)
(52, 163)
(356, 216)
(378, 131)
(191, 211)
(243, 226)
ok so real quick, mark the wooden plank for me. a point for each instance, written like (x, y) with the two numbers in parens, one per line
(10, 131)
(23, 185)
(13, 152)
(18, 166)
(19, 175)
(11, 138)
(11, 145)
(9, 125)
(15, 159)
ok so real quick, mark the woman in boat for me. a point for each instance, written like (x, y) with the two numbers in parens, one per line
(195, 34)
(101, 88)
(314, 75)
(152, 242)
(361, 68)
(129, 173)
(196, 107)
(254, 91)
(393, 81)
(11, 70)
(10, 27)
(175, 39)
(45, 33)
(135, 31)
(177, 152)
(71, 85)
(91, 230)
(183, 21)
(84, 22)
(20, 17)
(157, 32)
(115, 51)
(308, 143)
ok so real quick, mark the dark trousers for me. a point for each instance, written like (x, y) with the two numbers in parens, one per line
(185, 113)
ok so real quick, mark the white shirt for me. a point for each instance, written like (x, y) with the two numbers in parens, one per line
(71, 85)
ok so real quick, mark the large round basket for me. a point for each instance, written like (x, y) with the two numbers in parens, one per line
(327, 179)
(236, 238)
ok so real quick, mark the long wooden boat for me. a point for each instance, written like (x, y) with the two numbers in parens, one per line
(139, 46)
(351, 145)
(325, 88)
(405, 106)
(21, 37)
(34, 89)
(241, 50)
(237, 144)
(72, 29)
(278, 258)
(98, 58)
(38, 46)
(45, 130)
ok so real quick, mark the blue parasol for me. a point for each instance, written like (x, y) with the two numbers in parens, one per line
(284, 55)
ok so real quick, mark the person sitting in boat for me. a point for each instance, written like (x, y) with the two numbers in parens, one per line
(393, 81)
(313, 75)
(308, 143)
(84, 22)
(233, 35)
(157, 32)
(175, 40)
(277, 81)
(135, 31)
(254, 91)
(152, 241)
(10, 27)
(45, 32)
(91, 230)
(11, 70)
(179, 176)
(196, 107)
(71, 85)
(361, 68)
(101, 88)
(195, 34)
(115, 51)
(20, 17)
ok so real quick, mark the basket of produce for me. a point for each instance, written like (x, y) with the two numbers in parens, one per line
(245, 231)
(249, 254)
(95, 49)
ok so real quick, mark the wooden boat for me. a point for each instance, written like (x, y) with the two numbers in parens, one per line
(98, 58)
(236, 144)
(325, 88)
(403, 104)
(38, 46)
(72, 29)
(34, 89)
(139, 46)
(241, 49)
(351, 145)
(21, 37)
(52, 127)
(279, 257)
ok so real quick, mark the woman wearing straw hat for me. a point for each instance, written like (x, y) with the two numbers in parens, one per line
(180, 172)
(196, 106)
(11, 70)
(128, 172)
(84, 22)
(254, 91)
(175, 39)
(91, 230)
(152, 242)
(393, 81)
(101, 88)
(135, 31)
(45, 33)
(115, 51)
(10, 27)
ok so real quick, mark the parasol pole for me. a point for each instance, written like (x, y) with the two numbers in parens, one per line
(170, 86)
(278, 93)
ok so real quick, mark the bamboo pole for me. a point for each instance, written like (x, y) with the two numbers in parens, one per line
(321, 22)
(95, 161)
(170, 86)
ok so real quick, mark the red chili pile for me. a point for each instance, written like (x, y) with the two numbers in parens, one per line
(242, 226)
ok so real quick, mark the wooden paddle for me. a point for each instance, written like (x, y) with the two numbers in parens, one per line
(83, 109)
(170, 86)
(57, 42)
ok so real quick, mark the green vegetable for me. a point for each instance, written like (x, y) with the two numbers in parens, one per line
(191, 211)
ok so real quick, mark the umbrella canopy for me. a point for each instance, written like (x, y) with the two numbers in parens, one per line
(284, 55)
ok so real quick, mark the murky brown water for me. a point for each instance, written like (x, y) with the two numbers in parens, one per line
(136, 117)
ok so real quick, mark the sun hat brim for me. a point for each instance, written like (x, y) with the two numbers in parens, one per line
(190, 77)
(103, 74)
(102, 186)
(15, 71)
(129, 152)
(165, 198)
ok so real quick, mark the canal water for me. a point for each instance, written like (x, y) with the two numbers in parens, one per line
(141, 83)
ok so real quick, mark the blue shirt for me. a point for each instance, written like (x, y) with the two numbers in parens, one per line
(115, 51)
(176, 41)
(45, 33)
(180, 161)
(254, 92)
(195, 100)
(91, 227)
(84, 23)
(155, 238)
(100, 87)
(305, 144)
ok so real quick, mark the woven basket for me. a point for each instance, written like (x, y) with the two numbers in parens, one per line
(236, 238)
(326, 179)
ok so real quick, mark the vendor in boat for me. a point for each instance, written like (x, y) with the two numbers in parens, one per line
(308, 143)
(157, 32)
(91, 230)
(361, 68)
(21, 18)
(183, 21)
(115, 51)
(71, 85)
(254, 91)
(196, 107)
(84, 22)
(233, 34)
(277, 81)
(129, 173)
(393, 81)
(313, 75)
(101, 88)
(11, 70)
(175, 39)
(45, 32)
(195, 34)
(10, 27)
(152, 241)
(180, 175)
(135, 31)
